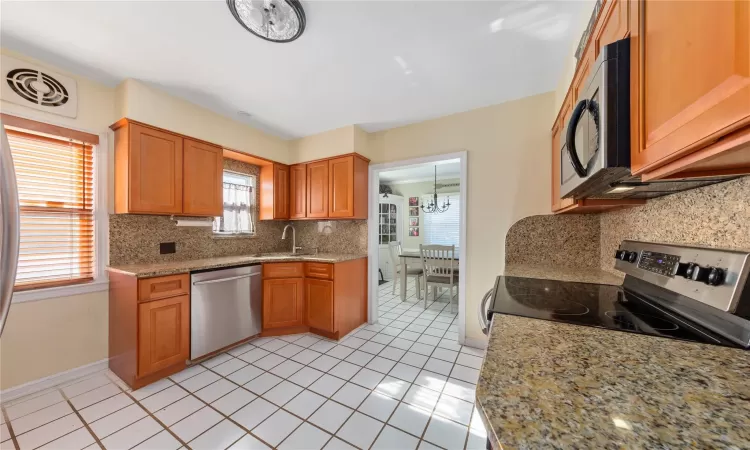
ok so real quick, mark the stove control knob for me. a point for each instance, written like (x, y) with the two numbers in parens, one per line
(715, 276)
(632, 256)
(701, 273)
(619, 253)
(686, 270)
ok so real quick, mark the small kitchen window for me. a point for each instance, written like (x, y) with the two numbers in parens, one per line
(239, 206)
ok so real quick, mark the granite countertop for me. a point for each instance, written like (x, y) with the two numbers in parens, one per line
(548, 384)
(168, 268)
(580, 274)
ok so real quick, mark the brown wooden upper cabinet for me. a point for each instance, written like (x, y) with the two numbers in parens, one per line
(158, 172)
(274, 192)
(203, 173)
(347, 187)
(317, 189)
(333, 188)
(691, 78)
(298, 191)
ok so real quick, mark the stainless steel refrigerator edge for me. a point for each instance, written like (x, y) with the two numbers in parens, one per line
(225, 308)
(10, 229)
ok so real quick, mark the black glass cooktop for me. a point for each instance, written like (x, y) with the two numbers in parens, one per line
(596, 305)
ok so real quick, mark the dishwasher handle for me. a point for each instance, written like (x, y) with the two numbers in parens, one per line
(221, 280)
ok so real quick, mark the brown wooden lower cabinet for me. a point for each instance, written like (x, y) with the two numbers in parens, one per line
(283, 303)
(163, 334)
(330, 300)
(149, 338)
(319, 300)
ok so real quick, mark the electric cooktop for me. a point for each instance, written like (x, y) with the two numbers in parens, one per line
(595, 305)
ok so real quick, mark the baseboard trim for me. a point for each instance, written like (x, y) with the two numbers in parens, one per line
(476, 343)
(52, 380)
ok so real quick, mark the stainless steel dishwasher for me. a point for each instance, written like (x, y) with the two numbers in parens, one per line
(225, 308)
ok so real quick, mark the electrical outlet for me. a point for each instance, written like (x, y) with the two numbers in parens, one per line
(167, 247)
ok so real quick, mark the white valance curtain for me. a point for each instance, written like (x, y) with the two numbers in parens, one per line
(238, 210)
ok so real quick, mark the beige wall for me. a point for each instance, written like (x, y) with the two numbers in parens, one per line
(508, 175)
(342, 140)
(407, 190)
(45, 337)
(140, 102)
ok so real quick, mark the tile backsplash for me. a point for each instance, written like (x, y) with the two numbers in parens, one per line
(135, 239)
(713, 216)
(332, 236)
(554, 239)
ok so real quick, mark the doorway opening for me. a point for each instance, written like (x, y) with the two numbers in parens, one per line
(411, 203)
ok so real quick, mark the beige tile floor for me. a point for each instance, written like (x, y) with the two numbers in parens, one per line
(404, 383)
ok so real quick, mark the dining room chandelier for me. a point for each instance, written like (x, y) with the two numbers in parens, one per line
(432, 206)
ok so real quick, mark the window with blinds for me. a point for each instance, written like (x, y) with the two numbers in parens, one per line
(442, 228)
(56, 196)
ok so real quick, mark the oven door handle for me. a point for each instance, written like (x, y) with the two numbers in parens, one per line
(483, 322)
(570, 137)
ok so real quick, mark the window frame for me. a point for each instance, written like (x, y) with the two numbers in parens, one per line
(100, 155)
(254, 208)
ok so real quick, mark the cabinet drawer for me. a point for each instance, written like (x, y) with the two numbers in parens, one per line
(283, 270)
(163, 287)
(319, 270)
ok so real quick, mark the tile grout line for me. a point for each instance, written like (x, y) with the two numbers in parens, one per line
(10, 428)
(86, 425)
(148, 414)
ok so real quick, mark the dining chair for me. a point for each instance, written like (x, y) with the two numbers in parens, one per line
(438, 264)
(394, 250)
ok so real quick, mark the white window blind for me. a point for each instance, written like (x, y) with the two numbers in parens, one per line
(239, 205)
(442, 228)
(56, 195)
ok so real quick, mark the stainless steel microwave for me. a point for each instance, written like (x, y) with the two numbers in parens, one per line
(595, 150)
(596, 139)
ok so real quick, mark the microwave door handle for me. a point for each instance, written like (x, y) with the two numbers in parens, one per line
(570, 137)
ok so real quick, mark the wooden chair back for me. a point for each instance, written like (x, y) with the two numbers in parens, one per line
(438, 261)
(394, 250)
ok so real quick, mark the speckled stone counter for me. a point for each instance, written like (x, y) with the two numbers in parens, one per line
(554, 385)
(172, 267)
(563, 273)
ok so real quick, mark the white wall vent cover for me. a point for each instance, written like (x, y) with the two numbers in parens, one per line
(38, 88)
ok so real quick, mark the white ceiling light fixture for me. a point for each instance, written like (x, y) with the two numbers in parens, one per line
(272, 20)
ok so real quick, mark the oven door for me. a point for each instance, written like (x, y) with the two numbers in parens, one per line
(581, 153)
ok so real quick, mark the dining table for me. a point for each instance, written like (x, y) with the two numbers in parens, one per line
(405, 256)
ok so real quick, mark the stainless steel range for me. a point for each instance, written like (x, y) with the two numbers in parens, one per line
(673, 291)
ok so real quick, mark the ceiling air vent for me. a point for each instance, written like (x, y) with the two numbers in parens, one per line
(38, 88)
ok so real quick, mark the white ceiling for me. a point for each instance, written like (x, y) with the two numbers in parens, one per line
(447, 169)
(377, 64)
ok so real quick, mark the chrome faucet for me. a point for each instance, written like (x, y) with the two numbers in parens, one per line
(294, 238)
